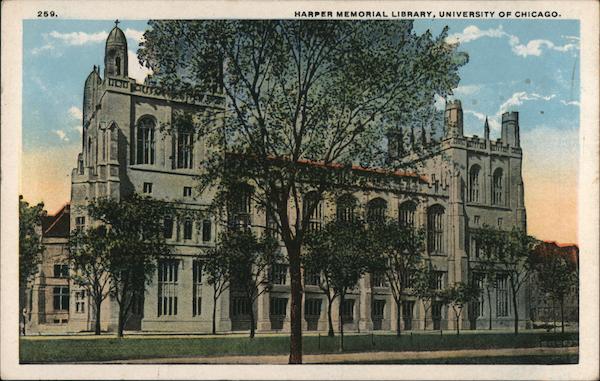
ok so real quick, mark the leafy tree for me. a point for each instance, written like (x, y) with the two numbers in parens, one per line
(339, 250)
(398, 251)
(250, 258)
(556, 274)
(489, 241)
(134, 229)
(30, 244)
(458, 296)
(89, 255)
(424, 287)
(298, 92)
(217, 267)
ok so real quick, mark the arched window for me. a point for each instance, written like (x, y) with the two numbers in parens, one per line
(435, 229)
(376, 210)
(240, 208)
(474, 183)
(346, 208)
(145, 141)
(497, 187)
(118, 65)
(406, 213)
(185, 148)
(313, 205)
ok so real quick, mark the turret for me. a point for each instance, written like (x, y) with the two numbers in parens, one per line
(486, 129)
(90, 89)
(115, 53)
(510, 129)
(453, 119)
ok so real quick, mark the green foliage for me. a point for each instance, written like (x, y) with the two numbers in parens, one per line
(458, 296)
(30, 240)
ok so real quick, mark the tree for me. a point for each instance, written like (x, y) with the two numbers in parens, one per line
(135, 232)
(489, 241)
(556, 274)
(30, 245)
(425, 288)
(398, 248)
(217, 267)
(298, 92)
(250, 259)
(89, 251)
(458, 296)
(340, 251)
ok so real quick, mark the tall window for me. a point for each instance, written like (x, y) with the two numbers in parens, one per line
(197, 288)
(406, 214)
(80, 301)
(379, 279)
(314, 205)
(145, 141)
(118, 65)
(312, 307)
(61, 271)
(187, 229)
(278, 274)
(376, 209)
(502, 295)
(348, 310)
(278, 306)
(474, 183)
(478, 280)
(239, 209)
(240, 307)
(206, 231)
(185, 147)
(435, 229)
(168, 227)
(167, 287)
(346, 208)
(438, 280)
(497, 187)
(475, 247)
(61, 298)
(312, 278)
(79, 223)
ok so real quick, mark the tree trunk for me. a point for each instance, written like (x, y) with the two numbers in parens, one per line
(330, 333)
(562, 315)
(121, 322)
(252, 331)
(516, 311)
(341, 322)
(97, 313)
(296, 305)
(398, 317)
(214, 316)
(489, 294)
(425, 319)
(457, 322)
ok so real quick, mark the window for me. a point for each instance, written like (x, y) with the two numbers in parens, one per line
(79, 223)
(378, 308)
(502, 295)
(118, 65)
(168, 227)
(474, 183)
(478, 281)
(435, 229)
(61, 271)
(80, 301)
(376, 209)
(497, 187)
(407, 278)
(272, 227)
(379, 280)
(346, 208)
(185, 148)
(278, 306)
(187, 191)
(438, 280)
(147, 187)
(145, 141)
(197, 288)
(500, 222)
(239, 209)
(137, 305)
(312, 307)
(187, 229)
(314, 205)
(206, 231)
(240, 307)
(476, 220)
(167, 287)
(278, 274)
(61, 298)
(348, 310)
(312, 278)
(475, 247)
(406, 214)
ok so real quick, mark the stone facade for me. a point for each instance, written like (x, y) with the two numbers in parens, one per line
(131, 143)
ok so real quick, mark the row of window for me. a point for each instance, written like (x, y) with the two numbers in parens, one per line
(147, 188)
(183, 144)
(502, 295)
(475, 185)
(188, 228)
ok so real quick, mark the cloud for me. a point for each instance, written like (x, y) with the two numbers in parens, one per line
(79, 129)
(466, 90)
(570, 103)
(439, 102)
(518, 98)
(531, 48)
(75, 113)
(79, 38)
(493, 122)
(135, 70)
(137, 35)
(62, 135)
(42, 49)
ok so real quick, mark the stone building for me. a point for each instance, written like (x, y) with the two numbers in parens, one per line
(133, 141)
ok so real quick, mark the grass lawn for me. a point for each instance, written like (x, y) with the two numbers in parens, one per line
(89, 349)
(496, 360)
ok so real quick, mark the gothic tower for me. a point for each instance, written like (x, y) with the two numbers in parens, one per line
(115, 54)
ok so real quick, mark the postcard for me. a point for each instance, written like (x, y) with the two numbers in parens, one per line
(300, 190)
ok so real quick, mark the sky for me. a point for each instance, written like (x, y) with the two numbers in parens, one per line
(514, 65)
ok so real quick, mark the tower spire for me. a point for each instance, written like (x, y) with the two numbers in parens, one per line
(486, 129)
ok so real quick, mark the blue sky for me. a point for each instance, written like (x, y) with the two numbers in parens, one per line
(521, 65)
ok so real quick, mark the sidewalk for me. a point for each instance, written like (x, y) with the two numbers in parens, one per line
(369, 357)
